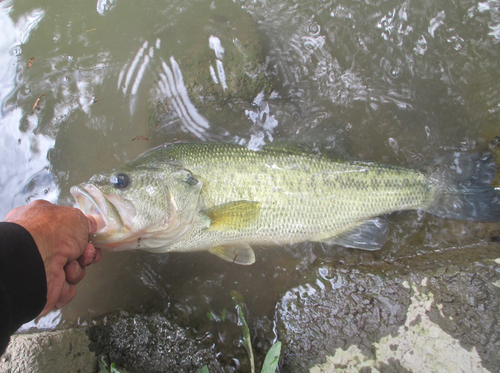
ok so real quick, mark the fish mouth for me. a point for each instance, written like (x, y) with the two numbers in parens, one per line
(94, 203)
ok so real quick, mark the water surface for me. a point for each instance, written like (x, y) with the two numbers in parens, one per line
(400, 82)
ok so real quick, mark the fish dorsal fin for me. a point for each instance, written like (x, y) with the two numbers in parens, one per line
(243, 254)
(233, 215)
(369, 235)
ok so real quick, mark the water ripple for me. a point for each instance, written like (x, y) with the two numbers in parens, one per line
(171, 86)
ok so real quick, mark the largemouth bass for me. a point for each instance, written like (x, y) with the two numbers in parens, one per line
(225, 198)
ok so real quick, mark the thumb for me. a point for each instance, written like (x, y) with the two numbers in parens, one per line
(92, 224)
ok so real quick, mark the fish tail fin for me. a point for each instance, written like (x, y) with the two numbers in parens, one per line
(463, 190)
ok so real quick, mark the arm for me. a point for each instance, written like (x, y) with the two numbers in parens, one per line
(23, 287)
(44, 250)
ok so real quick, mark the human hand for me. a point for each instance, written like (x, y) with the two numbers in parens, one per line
(61, 235)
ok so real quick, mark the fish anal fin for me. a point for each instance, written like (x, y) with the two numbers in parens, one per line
(233, 215)
(369, 235)
(242, 254)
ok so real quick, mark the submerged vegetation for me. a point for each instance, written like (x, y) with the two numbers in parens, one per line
(273, 355)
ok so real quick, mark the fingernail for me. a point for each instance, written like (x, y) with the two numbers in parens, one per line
(90, 254)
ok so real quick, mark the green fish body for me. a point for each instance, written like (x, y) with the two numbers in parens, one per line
(225, 198)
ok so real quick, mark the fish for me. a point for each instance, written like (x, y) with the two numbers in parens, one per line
(225, 198)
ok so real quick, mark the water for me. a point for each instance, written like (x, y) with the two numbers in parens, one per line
(391, 81)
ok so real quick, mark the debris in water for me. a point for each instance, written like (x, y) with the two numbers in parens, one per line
(140, 138)
(35, 106)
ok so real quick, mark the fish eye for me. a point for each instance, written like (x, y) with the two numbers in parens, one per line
(120, 181)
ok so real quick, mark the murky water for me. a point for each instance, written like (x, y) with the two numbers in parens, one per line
(85, 87)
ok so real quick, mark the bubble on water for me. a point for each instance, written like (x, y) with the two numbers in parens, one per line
(348, 126)
(314, 29)
(395, 72)
(427, 131)
(27, 91)
(66, 79)
(70, 58)
(331, 77)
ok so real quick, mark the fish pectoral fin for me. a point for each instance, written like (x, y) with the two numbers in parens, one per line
(369, 235)
(243, 254)
(233, 215)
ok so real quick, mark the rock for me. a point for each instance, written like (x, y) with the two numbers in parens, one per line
(435, 312)
(152, 343)
(139, 342)
(49, 352)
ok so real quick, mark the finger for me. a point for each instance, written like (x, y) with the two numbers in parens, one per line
(88, 256)
(93, 225)
(74, 272)
(68, 292)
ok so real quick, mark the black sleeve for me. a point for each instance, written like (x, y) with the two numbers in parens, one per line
(23, 283)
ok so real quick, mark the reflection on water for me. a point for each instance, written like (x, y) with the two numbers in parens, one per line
(388, 81)
(23, 170)
(171, 86)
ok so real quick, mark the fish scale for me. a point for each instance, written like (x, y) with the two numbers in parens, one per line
(302, 197)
